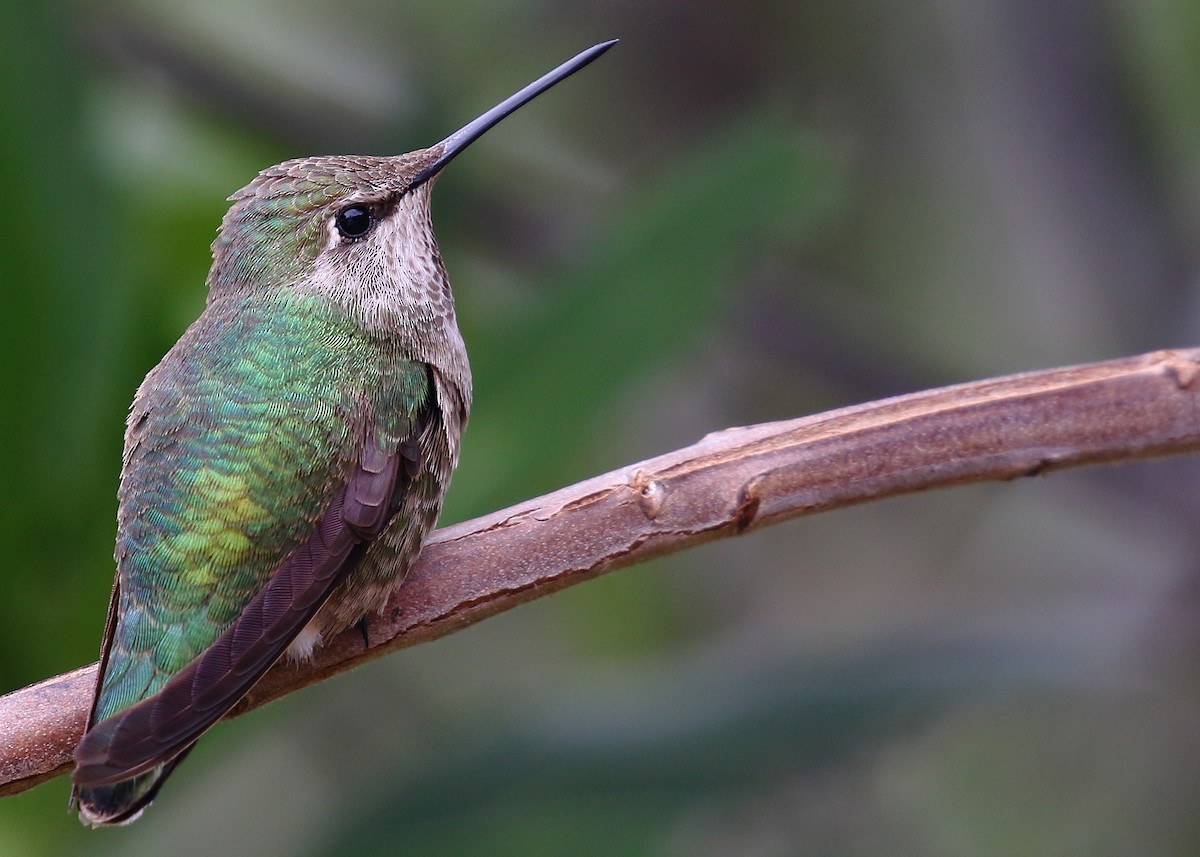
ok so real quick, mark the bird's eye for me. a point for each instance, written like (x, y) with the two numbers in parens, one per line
(354, 221)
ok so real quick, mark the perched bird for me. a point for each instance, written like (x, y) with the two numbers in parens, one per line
(287, 457)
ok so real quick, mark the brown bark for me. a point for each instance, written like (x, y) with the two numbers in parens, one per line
(728, 483)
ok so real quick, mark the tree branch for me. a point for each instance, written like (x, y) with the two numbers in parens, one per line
(728, 483)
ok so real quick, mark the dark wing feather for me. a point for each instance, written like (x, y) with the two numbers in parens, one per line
(110, 623)
(159, 728)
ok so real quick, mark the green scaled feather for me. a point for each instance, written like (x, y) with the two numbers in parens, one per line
(236, 444)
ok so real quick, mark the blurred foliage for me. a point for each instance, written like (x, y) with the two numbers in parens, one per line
(744, 212)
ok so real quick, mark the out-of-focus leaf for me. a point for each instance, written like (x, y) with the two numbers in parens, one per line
(655, 280)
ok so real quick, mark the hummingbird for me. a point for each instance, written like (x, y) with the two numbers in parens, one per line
(285, 460)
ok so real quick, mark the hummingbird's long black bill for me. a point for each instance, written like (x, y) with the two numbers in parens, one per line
(475, 129)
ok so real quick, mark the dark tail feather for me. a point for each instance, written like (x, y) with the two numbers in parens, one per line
(123, 802)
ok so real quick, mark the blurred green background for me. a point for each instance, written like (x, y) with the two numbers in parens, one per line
(744, 212)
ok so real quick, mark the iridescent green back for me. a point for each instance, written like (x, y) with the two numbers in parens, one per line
(236, 444)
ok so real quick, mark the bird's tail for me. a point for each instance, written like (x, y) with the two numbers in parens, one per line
(121, 802)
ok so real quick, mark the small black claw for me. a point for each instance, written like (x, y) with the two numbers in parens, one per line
(361, 625)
